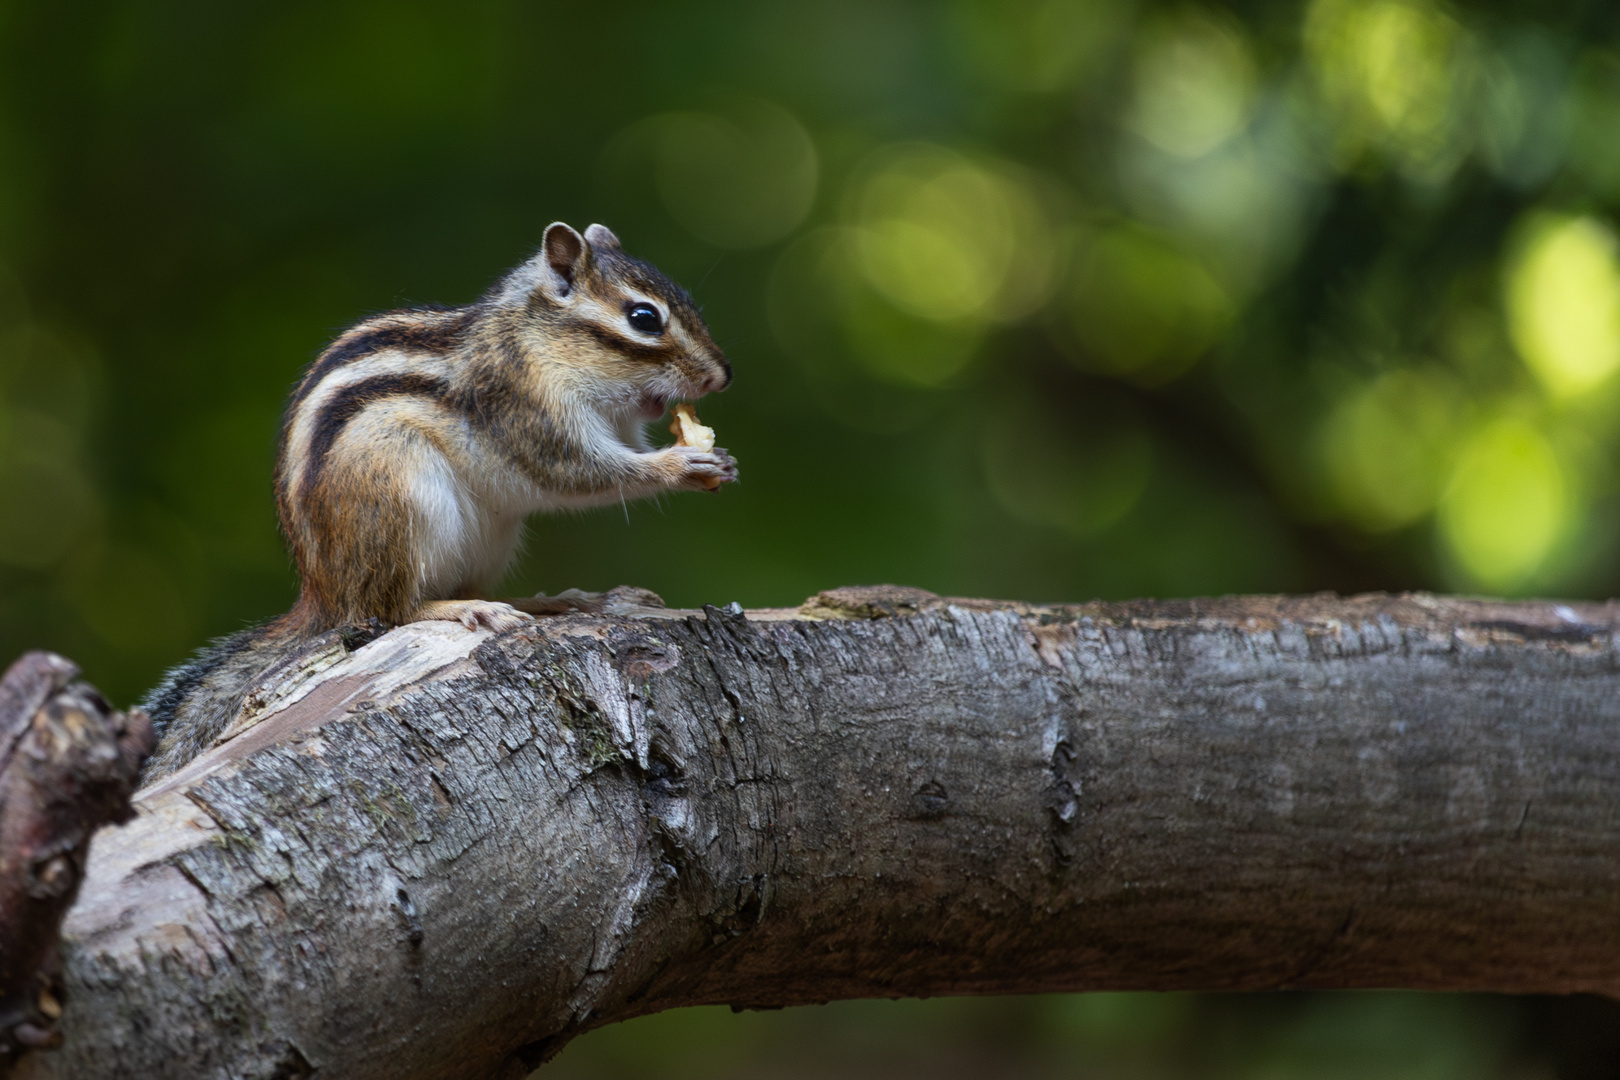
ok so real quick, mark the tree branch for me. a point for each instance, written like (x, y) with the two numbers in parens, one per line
(68, 764)
(445, 854)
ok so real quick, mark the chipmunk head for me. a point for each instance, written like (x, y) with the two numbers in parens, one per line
(631, 335)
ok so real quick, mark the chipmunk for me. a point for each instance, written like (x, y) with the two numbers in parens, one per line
(419, 440)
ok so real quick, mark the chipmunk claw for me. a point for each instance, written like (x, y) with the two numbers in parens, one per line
(492, 615)
(706, 470)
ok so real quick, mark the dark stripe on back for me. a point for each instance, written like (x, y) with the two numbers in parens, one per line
(422, 330)
(348, 403)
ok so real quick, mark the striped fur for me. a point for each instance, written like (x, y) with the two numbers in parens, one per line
(419, 440)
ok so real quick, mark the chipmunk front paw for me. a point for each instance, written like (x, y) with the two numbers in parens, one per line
(704, 470)
(474, 614)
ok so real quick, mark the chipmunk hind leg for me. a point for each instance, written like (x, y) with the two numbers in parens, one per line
(396, 533)
(459, 546)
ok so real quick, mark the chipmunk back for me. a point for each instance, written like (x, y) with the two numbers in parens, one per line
(418, 442)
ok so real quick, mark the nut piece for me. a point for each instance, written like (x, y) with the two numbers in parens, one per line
(687, 430)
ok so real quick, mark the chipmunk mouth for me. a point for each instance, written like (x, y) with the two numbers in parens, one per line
(652, 406)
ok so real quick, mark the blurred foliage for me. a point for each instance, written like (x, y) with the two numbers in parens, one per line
(1340, 1036)
(1049, 299)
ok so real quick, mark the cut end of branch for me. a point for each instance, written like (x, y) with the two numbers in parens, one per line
(68, 764)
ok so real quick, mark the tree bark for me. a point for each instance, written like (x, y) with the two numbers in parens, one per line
(447, 853)
(68, 764)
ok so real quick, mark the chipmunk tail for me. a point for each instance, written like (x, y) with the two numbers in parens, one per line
(197, 700)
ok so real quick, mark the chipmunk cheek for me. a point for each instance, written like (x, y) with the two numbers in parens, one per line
(694, 374)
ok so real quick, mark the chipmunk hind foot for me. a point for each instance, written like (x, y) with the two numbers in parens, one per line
(495, 615)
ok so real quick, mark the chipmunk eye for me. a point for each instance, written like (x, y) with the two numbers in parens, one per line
(644, 317)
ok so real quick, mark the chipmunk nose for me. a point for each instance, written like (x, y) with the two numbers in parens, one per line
(720, 379)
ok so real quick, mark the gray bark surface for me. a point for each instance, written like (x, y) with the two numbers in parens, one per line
(447, 853)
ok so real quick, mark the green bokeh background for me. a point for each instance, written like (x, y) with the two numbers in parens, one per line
(1048, 299)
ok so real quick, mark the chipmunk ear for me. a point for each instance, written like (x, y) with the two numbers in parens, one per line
(601, 236)
(564, 256)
